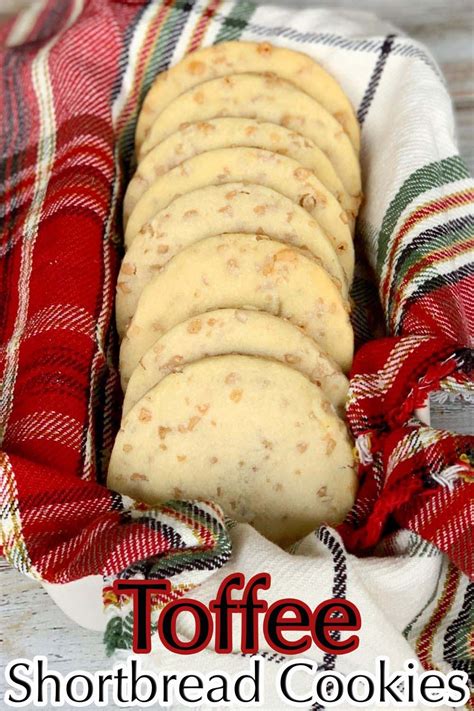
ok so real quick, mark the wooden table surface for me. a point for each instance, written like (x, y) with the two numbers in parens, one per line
(29, 621)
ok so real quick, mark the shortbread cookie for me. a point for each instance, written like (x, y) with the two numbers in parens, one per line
(266, 98)
(240, 271)
(235, 57)
(213, 210)
(253, 435)
(191, 139)
(236, 331)
(249, 165)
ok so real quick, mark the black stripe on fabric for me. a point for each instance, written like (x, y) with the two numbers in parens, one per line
(182, 10)
(403, 47)
(126, 144)
(124, 56)
(172, 536)
(52, 21)
(191, 563)
(117, 503)
(324, 38)
(436, 282)
(375, 78)
(339, 589)
(162, 567)
(451, 651)
(106, 414)
(409, 50)
(425, 239)
(274, 657)
(179, 22)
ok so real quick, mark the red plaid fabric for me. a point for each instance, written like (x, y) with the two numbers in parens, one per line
(65, 138)
(401, 460)
(60, 396)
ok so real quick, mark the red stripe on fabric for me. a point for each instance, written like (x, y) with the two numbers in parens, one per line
(439, 205)
(67, 271)
(424, 644)
(145, 55)
(60, 193)
(444, 253)
(94, 126)
(201, 530)
(202, 25)
(68, 132)
(416, 361)
(83, 152)
(452, 532)
(448, 311)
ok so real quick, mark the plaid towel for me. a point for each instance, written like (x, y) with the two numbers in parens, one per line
(73, 77)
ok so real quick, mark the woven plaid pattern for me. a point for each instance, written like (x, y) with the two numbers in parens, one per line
(407, 469)
(60, 395)
(73, 77)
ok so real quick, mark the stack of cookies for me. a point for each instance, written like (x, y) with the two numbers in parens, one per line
(232, 299)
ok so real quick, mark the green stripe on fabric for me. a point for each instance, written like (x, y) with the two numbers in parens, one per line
(462, 646)
(236, 21)
(434, 175)
(449, 238)
(163, 47)
(167, 37)
(407, 632)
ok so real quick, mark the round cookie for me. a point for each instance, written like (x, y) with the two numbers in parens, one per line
(213, 210)
(240, 271)
(231, 331)
(194, 138)
(266, 98)
(255, 436)
(257, 58)
(249, 165)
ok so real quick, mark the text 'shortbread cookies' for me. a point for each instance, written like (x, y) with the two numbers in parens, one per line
(194, 138)
(266, 98)
(236, 331)
(249, 165)
(256, 436)
(213, 210)
(241, 271)
(235, 57)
